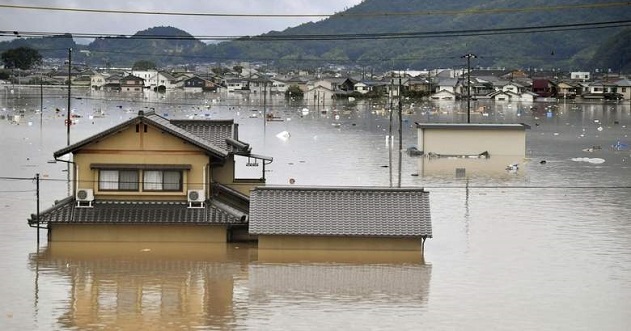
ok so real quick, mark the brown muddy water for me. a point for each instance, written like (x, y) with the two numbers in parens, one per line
(546, 247)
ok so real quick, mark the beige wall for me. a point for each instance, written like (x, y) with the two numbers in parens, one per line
(472, 141)
(225, 175)
(151, 147)
(494, 166)
(137, 233)
(339, 243)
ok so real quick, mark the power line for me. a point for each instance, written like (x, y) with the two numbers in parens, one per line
(337, 15)
(342, 37)
(481, 187)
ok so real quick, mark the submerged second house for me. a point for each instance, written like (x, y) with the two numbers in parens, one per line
(154, 179)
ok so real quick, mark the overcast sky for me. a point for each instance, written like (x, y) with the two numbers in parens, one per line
(77, 22)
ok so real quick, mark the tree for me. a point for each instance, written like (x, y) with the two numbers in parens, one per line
(21, 58)
(143, 65)
(294, 91)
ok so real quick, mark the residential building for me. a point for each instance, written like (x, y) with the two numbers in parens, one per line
(132, 83)
(154, 179)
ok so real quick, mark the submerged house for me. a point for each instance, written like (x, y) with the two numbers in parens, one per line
(155, 179)
(459, 147)
(340, 218)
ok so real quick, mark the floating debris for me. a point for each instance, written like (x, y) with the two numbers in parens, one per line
(594, 160)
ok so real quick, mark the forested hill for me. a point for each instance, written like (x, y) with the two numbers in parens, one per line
(560, 48)
(412, 35)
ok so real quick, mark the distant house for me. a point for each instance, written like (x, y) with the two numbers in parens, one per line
(580, 75)
(132, 83)
(451, 85)
(165, 81)
(154, 179)
(544, 88)
(278, 86)
(319, 96)
(447, 139)
(566, 90)
(197, 84)
(237, 84)
(98, 80)
(514, 88)
(362, 88)
(149, 77)
(349, 218)
(445, 95)
(624, 88)
(470, 148)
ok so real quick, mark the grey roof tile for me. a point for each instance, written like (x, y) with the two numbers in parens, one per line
(349, 211)
(214, 131)
(139, 212)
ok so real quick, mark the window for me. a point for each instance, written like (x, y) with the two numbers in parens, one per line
(162, 180)
(118, 180)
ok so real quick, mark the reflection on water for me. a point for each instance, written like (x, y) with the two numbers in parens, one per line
(144, 286)
(152, 286)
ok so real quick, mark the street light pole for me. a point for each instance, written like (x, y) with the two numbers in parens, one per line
(468, 57)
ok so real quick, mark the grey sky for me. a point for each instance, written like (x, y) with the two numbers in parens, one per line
(77, 22)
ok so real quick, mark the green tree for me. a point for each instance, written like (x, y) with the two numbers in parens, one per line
(21, 58)
(294, 91)
(143, 65)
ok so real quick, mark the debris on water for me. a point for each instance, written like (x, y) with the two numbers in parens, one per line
(283, 135)
(600, 128)
(146, 250)
(618, 145)
(512, 167)
(594, 160)
(591, 149)
(413, 151)
(543, 162)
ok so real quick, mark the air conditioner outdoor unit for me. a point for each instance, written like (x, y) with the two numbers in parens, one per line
(85, 197)
(196, 198)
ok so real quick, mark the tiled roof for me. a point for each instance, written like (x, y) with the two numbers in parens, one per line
(214, 131)
(139, 212)
(349, 211)
(155, 120)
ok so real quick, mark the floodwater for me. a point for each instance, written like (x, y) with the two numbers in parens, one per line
(546, 247)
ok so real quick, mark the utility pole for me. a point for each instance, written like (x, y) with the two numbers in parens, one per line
(68, 120)
(68, 115)
(41, 101)
(400, 130)
(468, 57)
(37, 197)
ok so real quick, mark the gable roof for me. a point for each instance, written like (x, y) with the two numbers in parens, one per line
(160, 122)
(342, 211)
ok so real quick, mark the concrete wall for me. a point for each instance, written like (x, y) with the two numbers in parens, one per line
(339, 243)
(137, 233)
(457, 141)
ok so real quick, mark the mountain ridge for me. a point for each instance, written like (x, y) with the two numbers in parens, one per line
(422, 19)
